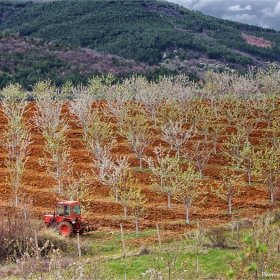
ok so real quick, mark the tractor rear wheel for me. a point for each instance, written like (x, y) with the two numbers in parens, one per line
(65, 229)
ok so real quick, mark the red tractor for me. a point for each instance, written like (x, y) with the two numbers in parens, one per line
(68, 219)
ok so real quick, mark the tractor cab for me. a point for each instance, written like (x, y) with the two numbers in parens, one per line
(67, 218)
(69, 210)
(66, 210)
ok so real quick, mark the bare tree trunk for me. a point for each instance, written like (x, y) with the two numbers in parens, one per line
(232, 226)
(187, 214)
(137, 226)
(178, 153)
(200, 171)
(271, 196)
(124, 210)
(168, 199)
(140, 162)
(215, 147)
(229, 206)
(249, 177)
(116, 194)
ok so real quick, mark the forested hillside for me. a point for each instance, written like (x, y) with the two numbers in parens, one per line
(26, 60)
(152, 32)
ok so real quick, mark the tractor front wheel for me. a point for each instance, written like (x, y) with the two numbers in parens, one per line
(65, 229)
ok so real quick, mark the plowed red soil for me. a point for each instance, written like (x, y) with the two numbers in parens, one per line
(253, 40)
(109, 214)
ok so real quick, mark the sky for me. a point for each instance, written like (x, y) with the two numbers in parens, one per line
(264, 13)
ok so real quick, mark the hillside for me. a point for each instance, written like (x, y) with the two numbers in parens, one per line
(150, 32)
(26, 60)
